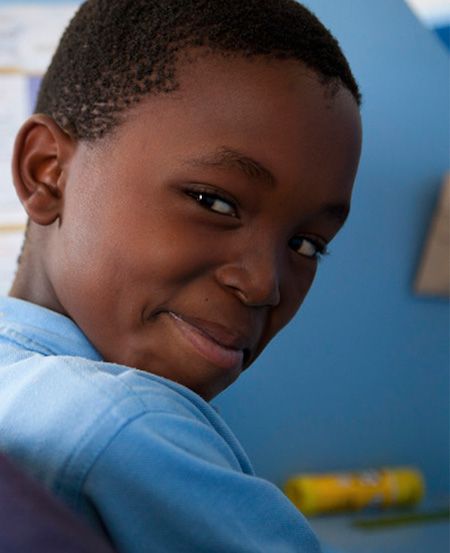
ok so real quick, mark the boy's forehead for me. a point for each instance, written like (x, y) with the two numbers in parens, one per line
(201, 64)
(271, 120)
(226, 129)
(215, 83)
(225, 100)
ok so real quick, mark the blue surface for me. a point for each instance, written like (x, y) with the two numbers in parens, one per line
(339, 536)
(360, 378)
(443, 32)
(36, 2)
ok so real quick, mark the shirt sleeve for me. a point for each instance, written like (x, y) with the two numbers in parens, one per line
(168, 483)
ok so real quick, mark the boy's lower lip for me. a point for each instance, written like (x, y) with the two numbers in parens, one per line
(209, 349)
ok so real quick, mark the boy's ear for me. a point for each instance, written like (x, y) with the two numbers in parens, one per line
(42, 154)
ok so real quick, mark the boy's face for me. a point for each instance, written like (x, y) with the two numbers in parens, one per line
(176, 256)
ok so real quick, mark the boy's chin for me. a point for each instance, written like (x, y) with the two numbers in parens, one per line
(204, 380)
(190, 371)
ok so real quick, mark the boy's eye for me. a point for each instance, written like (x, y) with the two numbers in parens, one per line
(214, 202)
(308, 247)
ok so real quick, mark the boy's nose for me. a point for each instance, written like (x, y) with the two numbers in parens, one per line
(255, 279)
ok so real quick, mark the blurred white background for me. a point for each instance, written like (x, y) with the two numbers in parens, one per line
(431, 11)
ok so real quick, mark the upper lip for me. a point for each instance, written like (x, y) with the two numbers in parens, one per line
(218, 332)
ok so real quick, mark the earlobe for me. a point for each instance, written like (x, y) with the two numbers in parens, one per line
(42, 154)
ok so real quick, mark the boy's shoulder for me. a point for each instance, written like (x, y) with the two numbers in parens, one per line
(55, 407)
(60, 412)
(46, 356)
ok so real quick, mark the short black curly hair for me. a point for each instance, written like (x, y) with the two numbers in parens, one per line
(115, 52)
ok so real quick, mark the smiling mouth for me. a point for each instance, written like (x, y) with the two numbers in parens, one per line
(208, 347)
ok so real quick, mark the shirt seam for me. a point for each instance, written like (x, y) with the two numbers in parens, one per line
(98, 452)
(214, 422)
(20, 339)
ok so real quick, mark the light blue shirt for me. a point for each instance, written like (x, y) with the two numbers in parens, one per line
(148, 462)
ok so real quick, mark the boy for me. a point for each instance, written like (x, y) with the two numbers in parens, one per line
(186, 167)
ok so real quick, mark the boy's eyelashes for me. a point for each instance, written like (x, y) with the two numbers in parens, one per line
(311, 248)
(214, 202)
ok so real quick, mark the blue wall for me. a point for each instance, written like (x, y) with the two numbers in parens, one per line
(443, 32)
(360, 378)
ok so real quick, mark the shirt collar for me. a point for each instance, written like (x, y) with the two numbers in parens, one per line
(40, 329)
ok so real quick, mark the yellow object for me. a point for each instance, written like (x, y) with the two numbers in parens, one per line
(321, 493)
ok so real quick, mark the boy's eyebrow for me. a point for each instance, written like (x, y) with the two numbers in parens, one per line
(228, 158)
(339, 212)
